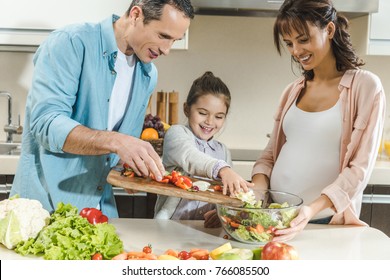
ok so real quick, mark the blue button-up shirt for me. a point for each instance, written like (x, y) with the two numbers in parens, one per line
(72, 84)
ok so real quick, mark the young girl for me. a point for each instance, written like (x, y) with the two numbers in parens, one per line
(192, 150)
(329, 122)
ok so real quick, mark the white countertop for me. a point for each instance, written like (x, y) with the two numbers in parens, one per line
(316, 242)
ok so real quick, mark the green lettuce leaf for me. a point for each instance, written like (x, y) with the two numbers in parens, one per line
(71, 237)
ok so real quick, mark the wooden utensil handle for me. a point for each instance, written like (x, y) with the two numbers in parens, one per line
(162, 105)
(173, 108)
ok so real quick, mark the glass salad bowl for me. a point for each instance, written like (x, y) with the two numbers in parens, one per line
(263, 212)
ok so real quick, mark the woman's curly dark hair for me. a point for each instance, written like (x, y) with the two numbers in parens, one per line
(297, 14)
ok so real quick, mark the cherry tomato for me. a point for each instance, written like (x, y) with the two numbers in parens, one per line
(184, 255)
(84, 212)
(93, 215)
(147, 249)
(97, 257)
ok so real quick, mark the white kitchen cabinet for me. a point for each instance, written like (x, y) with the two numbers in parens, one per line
(379, 32)
(24, 24)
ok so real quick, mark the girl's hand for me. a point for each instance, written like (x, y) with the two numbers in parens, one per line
(296, 225)
(233, 182)
(211, 219)
(261, 181)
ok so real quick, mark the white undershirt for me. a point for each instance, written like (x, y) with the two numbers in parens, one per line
(121, 92)
(310, 159)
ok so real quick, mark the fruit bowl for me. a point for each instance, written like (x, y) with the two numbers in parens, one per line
(157, 145)
(256, 222)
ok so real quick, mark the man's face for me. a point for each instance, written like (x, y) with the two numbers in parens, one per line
(155, 38)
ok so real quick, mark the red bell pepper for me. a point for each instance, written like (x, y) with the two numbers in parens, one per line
(186, 180)
(175, 175)
(183, 182)
(127, 171)
(164, 180)
(93, 215)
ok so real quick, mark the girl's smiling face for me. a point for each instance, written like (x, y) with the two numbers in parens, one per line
(207, 116)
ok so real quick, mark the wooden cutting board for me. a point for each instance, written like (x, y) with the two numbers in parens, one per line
(150, 186)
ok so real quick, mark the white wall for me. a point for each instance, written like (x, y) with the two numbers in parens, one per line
(15, 77)
(241, 51)
(238, 50)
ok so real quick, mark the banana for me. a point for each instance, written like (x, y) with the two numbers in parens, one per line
(166, 126)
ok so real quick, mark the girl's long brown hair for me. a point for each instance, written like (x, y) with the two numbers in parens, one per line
(208, 84)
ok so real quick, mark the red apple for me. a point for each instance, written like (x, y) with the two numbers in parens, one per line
(279, 251)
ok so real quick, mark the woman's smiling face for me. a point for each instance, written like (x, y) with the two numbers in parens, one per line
(207, 116)
(313, 49)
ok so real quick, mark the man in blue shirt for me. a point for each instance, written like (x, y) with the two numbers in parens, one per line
(87, 103)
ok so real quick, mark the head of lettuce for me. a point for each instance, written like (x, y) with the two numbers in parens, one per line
(21, 219)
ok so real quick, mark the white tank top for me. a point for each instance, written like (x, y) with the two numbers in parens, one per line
(121, 92)
(310, 159)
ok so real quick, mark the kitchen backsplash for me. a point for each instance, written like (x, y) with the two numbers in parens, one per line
(238, 50)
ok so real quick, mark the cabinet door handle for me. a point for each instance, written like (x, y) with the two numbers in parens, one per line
(376, 198)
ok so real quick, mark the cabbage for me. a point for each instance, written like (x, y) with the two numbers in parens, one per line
(21, 219)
